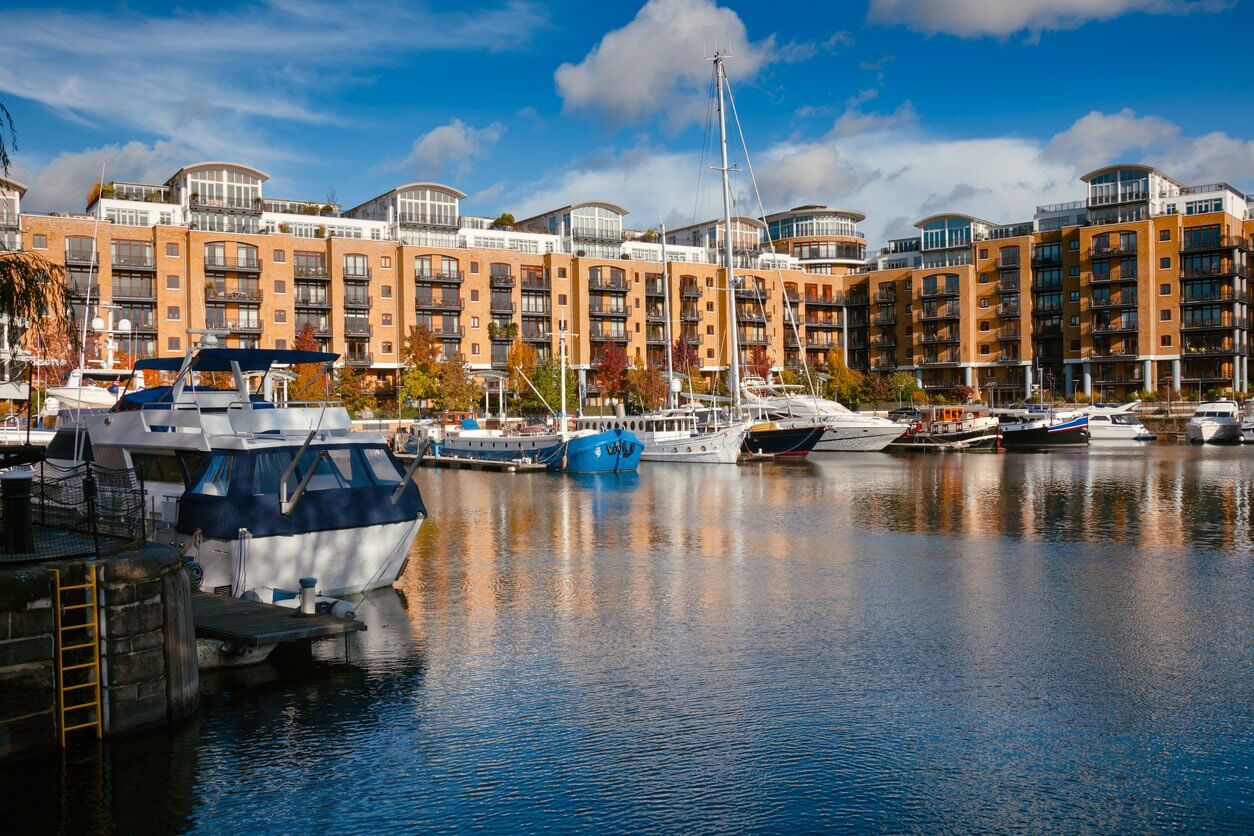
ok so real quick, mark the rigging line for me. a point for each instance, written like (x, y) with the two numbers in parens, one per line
(705, 145)
(801, 349)
(82, 346)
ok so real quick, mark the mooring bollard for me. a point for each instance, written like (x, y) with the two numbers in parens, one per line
(15, 493)
(308, 597)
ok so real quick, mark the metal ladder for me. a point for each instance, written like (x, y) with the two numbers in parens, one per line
(78, 623)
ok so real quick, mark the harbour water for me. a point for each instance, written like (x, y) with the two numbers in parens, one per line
(864, 641)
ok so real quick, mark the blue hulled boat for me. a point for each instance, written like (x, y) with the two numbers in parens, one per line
(581, 451)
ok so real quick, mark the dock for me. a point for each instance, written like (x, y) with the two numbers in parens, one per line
(456, 463)
(254, 624)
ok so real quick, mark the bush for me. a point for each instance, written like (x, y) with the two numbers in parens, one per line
(1080, 397)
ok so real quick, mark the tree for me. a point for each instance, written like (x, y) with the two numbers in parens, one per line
(611, 374)
(353, 391)
(960, 394)
(310, 383)
(902, 384)
(421, 354)
(758, 363)
(846, 384)
(522, 362)
(457, 392)
(504, 221)
(875, 389)
(548, 381)
(645, 388)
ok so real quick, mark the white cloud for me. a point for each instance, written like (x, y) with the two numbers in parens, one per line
(976, 18)
(453, 144)
(63, 182)
(216, 80)
(656, 62)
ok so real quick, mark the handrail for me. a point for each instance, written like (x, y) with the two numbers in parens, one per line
(285, 507)
(410, 471)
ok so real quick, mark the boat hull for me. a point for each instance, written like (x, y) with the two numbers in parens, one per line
(1212, 432)
(981, 438)
(1045, 435)
(718, 447)
(611, 451)
(1125, 436)
(857, 439)
(782, 441)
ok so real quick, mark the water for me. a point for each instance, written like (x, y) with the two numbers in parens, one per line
(867, 641)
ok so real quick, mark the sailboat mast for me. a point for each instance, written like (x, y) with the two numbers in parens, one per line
(666, 314)
(733, 340)
(561, 351)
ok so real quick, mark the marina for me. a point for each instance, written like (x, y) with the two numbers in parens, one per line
(878, 641)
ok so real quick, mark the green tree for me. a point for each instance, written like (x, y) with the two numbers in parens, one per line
(875, 389)
(421, 354)
(902, 384)
(353, 390)
(456, 392)
(548, 380)
(504, 221)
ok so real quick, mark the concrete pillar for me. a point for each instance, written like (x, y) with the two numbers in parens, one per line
(1068, 373)
(968, 376)
(1175, 375)
(1027, 381)
(1147, 375)
(918, 377)
(1087, 370)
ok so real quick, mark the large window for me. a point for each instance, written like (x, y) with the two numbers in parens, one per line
(427, 206)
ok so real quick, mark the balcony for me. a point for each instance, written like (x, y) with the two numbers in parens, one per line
(689, 316)
(595, 235)
(938, 291)
(502, 282)
(598, 335)
(608, 283)
(1046, 258)
(1113, 251)
(215, 293)
(939, 339)
(1113, 352)
(690, 291)
(76, 288)
(857, 299)
(203, 203)
(313, 300)
(235, 326)
(1009, 358)
(80, 258)
(654, 316)
(1115, 326)
(608, 313)
(320, 329)
(1008, 285)
(1114, 197)
(833, 301)
(1009, 266)
(360, 303)
(450, 333)
(536, 335)
(1213, 243)
(790, 340)
(754, 339)
(134, 291)
(1213, 349)
(443, 277)
(657, 289)
(234, 265)
(883, 364)
(1009, 334)
(748, 314)
(883, 341)
(357, 329)
(1206, 271)
(428, 220)
(886, 298)
(751, 292)
(885, 318)
(359, 358)
(431, 303)
(501, 306)
(1216, 296)
(941, 312)
(822, 324)
(1046, 310)
(10, 220)
(133, 262)
(531, 281)
(1224, 323)
(1105, 304)
(940, 360)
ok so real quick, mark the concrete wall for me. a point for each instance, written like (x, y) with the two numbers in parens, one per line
(148, 655)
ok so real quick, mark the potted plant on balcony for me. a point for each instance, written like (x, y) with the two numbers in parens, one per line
(285, 227)
(513, 330)
(320, 232)
(493, 330)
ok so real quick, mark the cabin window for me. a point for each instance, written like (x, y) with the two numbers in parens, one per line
(268, 471)
(381, 466)
(324, 478)
(158, 468)
(216, 477)
(349, 468)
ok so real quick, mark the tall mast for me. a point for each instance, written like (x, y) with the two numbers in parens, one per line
(666, 314)
(561, 352)
(733, 341)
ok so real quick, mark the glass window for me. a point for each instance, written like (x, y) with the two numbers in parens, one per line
(324, 474)
(280, 256)
(1165, 315)
(172, 282)
(382, 468)
(1164, 263)
(172, 312)
(40, 242)
(172, 250)
(1164, 290)
(216, 477)
(268, 468)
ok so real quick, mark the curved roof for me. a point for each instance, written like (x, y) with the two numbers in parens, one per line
(219, 164)
(857, 216)
(943, 215)
(613, 207)
(13, 184)
(429, 185)
(1148, 169)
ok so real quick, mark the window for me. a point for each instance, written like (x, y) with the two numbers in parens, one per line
(1165, 340)
(387, 319)
(171, 282)
(984, 302)
(1073, 270)
(1127, 268)
(984, 349)
(280, 344)
(1073, 244)
(385, 291)
(280, 256)
(172, 250)
(172, 344)
(1164, 263)
(985, 277)
(1164, 289)
(986, 325)
(216, 476)
(386, 262)
(474, 295)
(474, 322)
(1075, 321)
(1075, 345)
(709, 354)
(709, 307)
(474, 350)
(561, 298)
(381, 466)
(561, 272)
(280, 286)
(983, 252)
(1164, 235)
(280, 315)
(474, 267)
(173, 312)
(40, 241)
(1164, 315)
(709, 329)
(1074, 296)
(387, 348)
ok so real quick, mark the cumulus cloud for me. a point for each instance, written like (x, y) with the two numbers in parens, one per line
(977, 18)
(62, 183)
(655, 63)
(453, 144)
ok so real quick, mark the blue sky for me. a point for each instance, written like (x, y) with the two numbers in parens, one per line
(898, 108)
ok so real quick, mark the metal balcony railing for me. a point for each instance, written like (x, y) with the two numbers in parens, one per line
(133, 262)
(250, 265)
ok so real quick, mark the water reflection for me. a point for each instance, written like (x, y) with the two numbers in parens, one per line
(891, 642)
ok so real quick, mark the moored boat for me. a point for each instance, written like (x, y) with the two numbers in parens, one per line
(1116, 426)
(771, 438)
(1216, 422)
(949, 428)
(1049, 432)
(578, 451)
(675, 435)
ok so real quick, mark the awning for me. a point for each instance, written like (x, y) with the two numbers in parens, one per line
(249, 359)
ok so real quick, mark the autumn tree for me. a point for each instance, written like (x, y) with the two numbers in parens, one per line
(845, 383)
(353, 390)
(758, 363)
(611, 374)
(684, 360)
(548, 381)
(421, 354)
(310, 383)
(902, 384)
(456, 392)
(645, 388)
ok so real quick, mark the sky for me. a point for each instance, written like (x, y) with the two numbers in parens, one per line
(895, 108)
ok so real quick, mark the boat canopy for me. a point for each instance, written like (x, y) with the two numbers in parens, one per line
(249, 359)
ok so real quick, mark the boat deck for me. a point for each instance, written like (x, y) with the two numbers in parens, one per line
(252, 623)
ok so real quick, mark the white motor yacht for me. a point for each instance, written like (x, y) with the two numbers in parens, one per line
(674, 435)
(1247, 423)
(256, 496)
(1216, 422)
(843, 429)
(89, 389)
(1116, 426)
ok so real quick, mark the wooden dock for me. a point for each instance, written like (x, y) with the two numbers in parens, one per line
(253, 624)
(455, 463)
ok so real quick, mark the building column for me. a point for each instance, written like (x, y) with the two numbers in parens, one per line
(1147, 375)
(1068, 375)
(918, 377)
(968, 377)
(1086, 370)
(1175, 375)
(1236, 375)
(1027, 382)
(844, 332)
